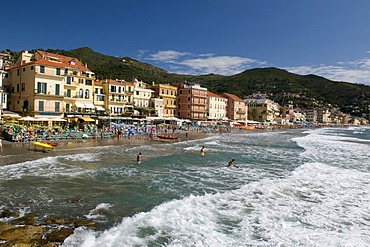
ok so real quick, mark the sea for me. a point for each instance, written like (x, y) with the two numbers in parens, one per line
(305, 187)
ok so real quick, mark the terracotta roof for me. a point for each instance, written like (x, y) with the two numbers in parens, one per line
(61, 61)
(210, 94)
(233, 97)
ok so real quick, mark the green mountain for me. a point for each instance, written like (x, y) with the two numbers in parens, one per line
(278, 84)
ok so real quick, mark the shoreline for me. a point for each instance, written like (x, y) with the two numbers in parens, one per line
(19, 152)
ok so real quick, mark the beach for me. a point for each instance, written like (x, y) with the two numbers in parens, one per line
(16, 152)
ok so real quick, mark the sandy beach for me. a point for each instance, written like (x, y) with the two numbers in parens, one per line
(17, 152)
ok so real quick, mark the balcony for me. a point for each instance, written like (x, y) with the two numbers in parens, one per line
(170, 106)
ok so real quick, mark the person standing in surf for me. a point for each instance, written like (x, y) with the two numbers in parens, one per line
(138, 158)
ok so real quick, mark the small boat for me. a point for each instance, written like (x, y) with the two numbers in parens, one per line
(43, 145)
(51, 144)
(168, 137)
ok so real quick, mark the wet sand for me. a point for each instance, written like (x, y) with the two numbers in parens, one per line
(18, 152)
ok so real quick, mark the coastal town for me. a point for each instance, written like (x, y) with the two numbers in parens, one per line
(43, 90)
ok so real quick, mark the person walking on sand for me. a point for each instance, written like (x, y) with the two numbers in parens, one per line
(202, 151)
(138, 158)
(232, 163)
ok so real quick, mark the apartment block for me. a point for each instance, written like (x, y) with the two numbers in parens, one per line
(216, 107)
(192, 101)
(236, 108)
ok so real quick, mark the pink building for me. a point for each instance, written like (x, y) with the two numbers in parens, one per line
(236, 108)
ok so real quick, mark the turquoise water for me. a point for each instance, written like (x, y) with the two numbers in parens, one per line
(299, 187)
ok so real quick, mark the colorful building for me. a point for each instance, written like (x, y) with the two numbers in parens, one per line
(168, 94)
(192, 102)
(46, 85)
(216, 107)
(236, 108)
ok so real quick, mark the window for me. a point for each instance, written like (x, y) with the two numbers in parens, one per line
(17, 87)
(58, 71)
(68, 107)
(41, 87)
(31, 67)
(69, 93)
(42, 69)
(41, 105)
(81, 93)
(23, 86)
(69, 80)
(119, 89)
(57, 89)
(113, 89)
(87, 94)
(57, 106)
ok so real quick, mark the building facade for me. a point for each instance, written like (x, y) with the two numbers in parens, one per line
(262, 110)
(216, 107)
(142, 94)
(168, 94)
(47, 85)
(118, 96)
(4, 58)
(192, 102)
(236, 108)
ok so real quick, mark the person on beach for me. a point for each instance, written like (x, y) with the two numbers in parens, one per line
(202, 151)
(138, 158)
(1, 145)
(232, 163)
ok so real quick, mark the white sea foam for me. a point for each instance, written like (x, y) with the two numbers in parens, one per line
(100, 211)
(318, 205)
(46, 167)
(323, 202)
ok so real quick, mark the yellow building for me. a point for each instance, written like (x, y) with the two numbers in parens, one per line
(118, 96)
(262, 110)
(168, 93)
(46, 85)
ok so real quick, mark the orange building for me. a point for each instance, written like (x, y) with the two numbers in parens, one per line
(192, 101)
(168, 93)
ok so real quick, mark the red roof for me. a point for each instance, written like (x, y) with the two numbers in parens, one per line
(210, 94)
(232, 96)
(56, 60)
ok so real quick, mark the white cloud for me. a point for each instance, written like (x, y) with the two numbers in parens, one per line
(223, 65)
(357, 74)
(187, 63)
(168, 56)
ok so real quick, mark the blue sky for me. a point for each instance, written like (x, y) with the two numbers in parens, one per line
(330, 38)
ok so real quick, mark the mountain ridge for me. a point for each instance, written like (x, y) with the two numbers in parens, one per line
(278, 84)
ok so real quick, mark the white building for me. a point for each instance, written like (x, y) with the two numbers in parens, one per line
(216, 107)
(142, 94)
(3, 97)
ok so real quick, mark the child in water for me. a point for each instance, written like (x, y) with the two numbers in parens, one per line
(202, 151)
